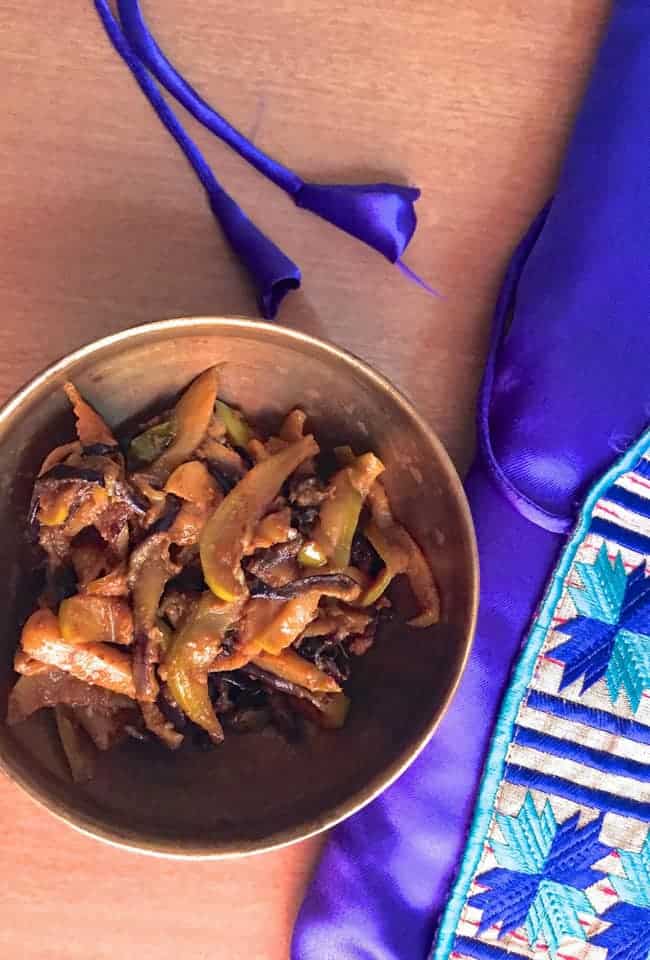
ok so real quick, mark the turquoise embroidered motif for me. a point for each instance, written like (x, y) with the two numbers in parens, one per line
(603, 587)
(557, 865)
(635, 886)
(610, 637)
(628, 937)
(543, 869)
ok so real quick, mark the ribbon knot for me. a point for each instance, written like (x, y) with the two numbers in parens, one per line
(381, 215)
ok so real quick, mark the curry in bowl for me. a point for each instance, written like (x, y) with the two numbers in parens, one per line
(201, 577)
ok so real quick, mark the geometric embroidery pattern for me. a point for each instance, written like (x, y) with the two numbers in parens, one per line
(543, 870)
(610, 636)
(557, 864)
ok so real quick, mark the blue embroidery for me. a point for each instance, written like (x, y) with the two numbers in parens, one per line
(567, 788)
(591, 716)
(621, 535)
(601, 760)
(628, 938)
(610, 637)
(543, 870)
(480, 950)
(546, 875)
(631, 501)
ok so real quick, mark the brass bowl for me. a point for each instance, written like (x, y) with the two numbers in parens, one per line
(254, 792)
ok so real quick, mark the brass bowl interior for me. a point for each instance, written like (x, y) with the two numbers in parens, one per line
(255, 791)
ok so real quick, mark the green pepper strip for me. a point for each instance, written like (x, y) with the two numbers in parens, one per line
(395, 562)
(192, 651)
(237, 430)
(79, 752)
(230, 528)
(394, 544)
(190, 421)
(147, 446)
(312, 555)
(147, 582)
(339, 514)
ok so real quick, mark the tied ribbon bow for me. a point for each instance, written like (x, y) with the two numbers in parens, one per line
(381, 215)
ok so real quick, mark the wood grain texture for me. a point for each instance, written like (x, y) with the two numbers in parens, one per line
(103, 226)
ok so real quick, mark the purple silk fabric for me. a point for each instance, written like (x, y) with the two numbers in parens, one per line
(564, 388)
(379, 214)
(272, 272)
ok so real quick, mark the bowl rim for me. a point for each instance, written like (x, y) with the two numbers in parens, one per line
(169, 849)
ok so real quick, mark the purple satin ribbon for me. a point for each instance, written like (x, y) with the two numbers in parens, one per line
(273, 273)
(565, 382)
(380, 214)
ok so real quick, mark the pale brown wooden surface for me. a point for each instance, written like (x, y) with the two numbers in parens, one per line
(103, 226)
